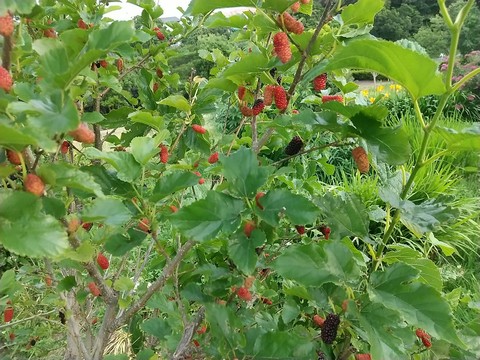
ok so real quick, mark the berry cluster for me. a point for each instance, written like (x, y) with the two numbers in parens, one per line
(290, 23)
(361, 159)
(426, 339)
(163, 154)
(330, 328)
(281, 46)
(325, 230)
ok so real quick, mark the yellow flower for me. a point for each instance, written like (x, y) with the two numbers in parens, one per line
(387, 95)
(392, 86)
(365, 92)
(372, 99)
(398, 87)
(380, 88)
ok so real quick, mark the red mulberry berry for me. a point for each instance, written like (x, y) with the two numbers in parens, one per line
(295, 7)
(246, 111)
(201, 181)
(318, 320)
(300, 229)
(102, 261)
(199, 129)
(327, 98)
(8, 314)
(120, 65)
(426, 341)
(280, 97)
(420, 333)
(361, 159)
(257, 199)
(281, 46)
(83, 134)
(320, 82)
(290, 23)
(87, 226)
(159, 34)
(304, 1)
(164, 154)
(363, 357)
(248, 282)
(33, 184)
(14, 157)
(159, 73)
(81, 24)
(268, 95)
(6, 25)
(325, 230)
(144, 225)
(94, 289)
(173, 208)
(6, 81)
(213, 158)
(241, 92)
(244, 294)
(248, 228)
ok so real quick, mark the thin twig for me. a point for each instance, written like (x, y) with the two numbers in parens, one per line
(12, 323)
(188, 334)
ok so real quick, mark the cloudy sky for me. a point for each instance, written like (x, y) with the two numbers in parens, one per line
(129, 11)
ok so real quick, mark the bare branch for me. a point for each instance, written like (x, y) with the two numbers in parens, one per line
(188, 334)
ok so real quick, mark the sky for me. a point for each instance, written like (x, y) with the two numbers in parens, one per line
(129, 11)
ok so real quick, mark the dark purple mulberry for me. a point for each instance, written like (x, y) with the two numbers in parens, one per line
(294, 146)
(329, 328)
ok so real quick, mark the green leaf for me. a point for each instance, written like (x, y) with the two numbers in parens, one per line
(144, 148)
(242, 250)
(296, 208)
(54, 207)
(157, 327)
(317, 264)
(55, 114)
(34, 234)
(20, 6)
(67, 283)
(420, 218)
(173, 182)
(204, 219)
(66, 175)
(243, 173)
(416, 72)
(346, 214)
(120, 244)
(197, 7)
(83, 253)
(92, 117)
(465, 140)
(8, 283)
(277, 5)
(377, 325)
(429, 272)
(397, 288)
(176, 101)
(362, 12)
(283, 345)
(12, 137)
(390, 145)
(253, 63)
(13, 204)
(123, 283)
(126, 165)
(107, 210)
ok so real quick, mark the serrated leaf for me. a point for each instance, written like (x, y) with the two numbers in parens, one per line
(197, 7)
(390, 145)
(243, 173)
(8, 283)
(107, 210)
(66, 175)
(420, 305)
(253, 63)
(13, 204)
(34, 234)
(144, 148)
(67, 283)
(120, 244)
(146, 118)
(377, 325)
(157, 327)
(429, 272)
(204, 219)
(13, 137)
(176, 101)
(128, 169)
(277, 5)
(465, 140)
(83, 253)
(296, 208)
(362, 12)
(20, 6)
(123, 283)
(418, 73)
(346, 215)
(172, 183)
(242, 250)
(316, 264)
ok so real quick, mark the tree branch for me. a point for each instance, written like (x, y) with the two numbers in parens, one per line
(159, 283)
(188, 334)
